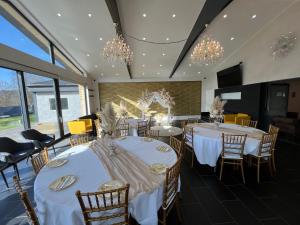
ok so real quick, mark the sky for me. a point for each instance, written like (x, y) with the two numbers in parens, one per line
(14, 38)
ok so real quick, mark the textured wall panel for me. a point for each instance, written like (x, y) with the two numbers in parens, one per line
(187, 96)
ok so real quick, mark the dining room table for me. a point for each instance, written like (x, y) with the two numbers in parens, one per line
(167, 130)
(83, 162)
(207, 140)
(133, 125)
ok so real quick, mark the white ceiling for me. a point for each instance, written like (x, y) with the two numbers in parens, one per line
(158, 24)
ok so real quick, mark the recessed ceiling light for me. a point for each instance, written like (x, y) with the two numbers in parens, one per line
(143, 73)
(96, 66)
(87, 54)
(190, 65)
(232, 38)
(100, 38)
(143, 54)
(160, 65)
(90, 15)
(199, 72)
(167, 39)
(164, 54)
(117, 74)
(144, 15)
(102, 74)
(58, 14)
(144, 39)
(225, 16)
(143, 65)
(76, 39)
(253, 16)
(158, 73)
(174, 15)
(206, 64)
(113, 66)
(183, 72)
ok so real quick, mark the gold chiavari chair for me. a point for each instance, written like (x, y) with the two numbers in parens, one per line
(274, 130)
(79, 139)
(142, 128)
(124, 129)
(264, 154)
(183, 123)
(31, 215)
(98, 127)
(17, 184)
(113, 204)
(40, 160)
(176, 145)
(188, 139)
(233, 151)
(152, 134)
(249, 123)
(171, 194)
(192, 120)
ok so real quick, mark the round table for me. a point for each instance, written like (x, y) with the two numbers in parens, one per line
(207, 142)
(166, 131)
(62, 208)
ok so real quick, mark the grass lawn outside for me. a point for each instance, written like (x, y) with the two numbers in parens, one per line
(14, 121)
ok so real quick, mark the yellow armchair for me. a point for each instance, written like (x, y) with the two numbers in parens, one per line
(81, 126)
(229, 118)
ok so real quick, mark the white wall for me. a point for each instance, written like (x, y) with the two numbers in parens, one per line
(256, 55)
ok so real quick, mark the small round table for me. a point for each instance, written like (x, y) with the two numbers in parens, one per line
(166, 131)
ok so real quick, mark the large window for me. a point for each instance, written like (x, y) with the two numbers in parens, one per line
(11, 121)
(40, 91)
(73, 96)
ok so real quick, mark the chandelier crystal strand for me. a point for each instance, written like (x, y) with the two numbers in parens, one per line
(207, 51)
(118, 50)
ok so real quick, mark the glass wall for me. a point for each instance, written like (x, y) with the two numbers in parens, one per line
(11, 120)
(41, 104)
(73, 102)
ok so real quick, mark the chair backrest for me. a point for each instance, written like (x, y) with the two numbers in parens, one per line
(124, 129)
(141, 128)
(249, 123)
(79, 139)
(183, 123)
(17, 184)
(152, 134)
(171, 185)
(176, 145)
(188, 135)
(113, 204)
(11, 146)
(98, 127)
(233, 145)
(266, 144)
(31, 215)
(40, 160)
(32, 134)
(274, 130)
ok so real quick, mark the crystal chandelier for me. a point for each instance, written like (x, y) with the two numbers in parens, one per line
(117, 49)
(207, 51)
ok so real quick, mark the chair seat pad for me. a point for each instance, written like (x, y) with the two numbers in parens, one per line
(232, 156)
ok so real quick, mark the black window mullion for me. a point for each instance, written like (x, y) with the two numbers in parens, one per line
(58, 107)
(23, 99)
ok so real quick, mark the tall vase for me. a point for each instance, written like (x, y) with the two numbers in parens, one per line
(108, 141)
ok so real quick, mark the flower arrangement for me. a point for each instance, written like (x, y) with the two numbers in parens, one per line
(109, 121)
(123, 109)
(217, 109)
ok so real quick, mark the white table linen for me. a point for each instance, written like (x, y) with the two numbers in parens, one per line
(208, 142)
(62, 208)
(166, 131)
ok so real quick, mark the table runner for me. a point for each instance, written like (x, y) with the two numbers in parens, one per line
(127, 168)
(255, 134)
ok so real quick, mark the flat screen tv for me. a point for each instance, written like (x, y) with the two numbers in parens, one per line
(230, 77)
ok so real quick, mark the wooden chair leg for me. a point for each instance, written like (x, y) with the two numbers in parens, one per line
(4, 178)
(221, 170)
(193, 155)
(273, 162)
(242, 170)
(270, 167)
(258, 170)
(178, 210)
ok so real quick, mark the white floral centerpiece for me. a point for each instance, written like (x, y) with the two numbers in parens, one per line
(123, 110)
(109, 121)
(217, 110)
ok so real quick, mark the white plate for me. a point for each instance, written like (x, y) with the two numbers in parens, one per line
(56, 163)
(163, 148)
(158, 168)
(62, 183)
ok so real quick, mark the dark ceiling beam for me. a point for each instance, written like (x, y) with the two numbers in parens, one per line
(114, 13)
(209, 11)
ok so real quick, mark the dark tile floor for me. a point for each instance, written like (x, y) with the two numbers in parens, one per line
(206, 200)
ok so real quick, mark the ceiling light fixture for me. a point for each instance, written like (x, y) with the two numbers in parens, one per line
(117, 74)
(158, 73)
(102, 74)
(190, 65)
(113, 66)
(160, 65)
(144, 15)
(143, 73)
(143, 54)
(143, 65)
(76, 39)
(87, 54)
(199, 72)
(225, 16)
(253, 16)
(232, 38)
(144, 39)
(174, 15)
(117, 49)
(100, 38)
(167, 39)
(207, 51)
(96, 66)
(58, 14)
(90, 15)
(164, 54)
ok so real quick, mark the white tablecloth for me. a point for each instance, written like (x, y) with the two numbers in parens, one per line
(166, 131)
(208, 142)
(62, 208)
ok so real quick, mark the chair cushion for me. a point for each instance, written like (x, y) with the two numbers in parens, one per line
(232, 156)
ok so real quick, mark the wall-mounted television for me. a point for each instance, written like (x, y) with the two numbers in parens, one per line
(229, 77)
